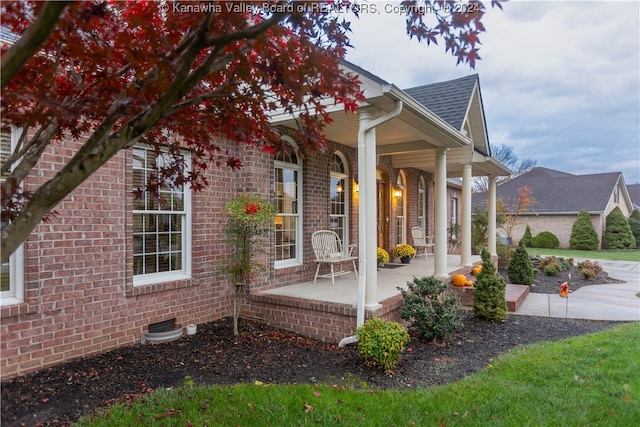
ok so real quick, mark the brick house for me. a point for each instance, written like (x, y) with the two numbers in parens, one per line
(108, 265)
(559, 197)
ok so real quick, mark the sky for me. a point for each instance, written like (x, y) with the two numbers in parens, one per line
(560, 80)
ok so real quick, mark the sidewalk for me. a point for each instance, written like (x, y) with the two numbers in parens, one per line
(617, 301)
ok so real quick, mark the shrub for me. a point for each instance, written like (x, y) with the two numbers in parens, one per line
(583, 235)
(520, 270)
(552, 270)
(589, 269)
(545, 240)
(634, 225)
(432, 308)
(488, 298)
(381, 342)
(635, 214)
(505, 252)
(526, 238)
(617, 234)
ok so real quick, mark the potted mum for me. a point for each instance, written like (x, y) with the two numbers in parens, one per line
(249, 219)
(382, 256)
(404, 252)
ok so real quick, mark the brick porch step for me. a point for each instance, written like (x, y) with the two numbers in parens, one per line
(515, 294)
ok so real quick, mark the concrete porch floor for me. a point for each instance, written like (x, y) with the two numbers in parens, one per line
(345, 290)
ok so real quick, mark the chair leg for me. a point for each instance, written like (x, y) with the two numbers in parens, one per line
(317, 270)
(355, 271)
(333, 282)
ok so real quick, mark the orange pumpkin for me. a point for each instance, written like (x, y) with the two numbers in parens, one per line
(468, 283)
(459, 280)
(476, 269)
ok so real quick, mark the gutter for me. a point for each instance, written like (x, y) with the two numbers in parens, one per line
(362, 209)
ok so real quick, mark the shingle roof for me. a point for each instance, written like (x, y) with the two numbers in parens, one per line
(449, 100)
(7, 36)
(634, 193)
(559, 192)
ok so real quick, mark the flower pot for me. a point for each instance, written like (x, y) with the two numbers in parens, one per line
(405, 259)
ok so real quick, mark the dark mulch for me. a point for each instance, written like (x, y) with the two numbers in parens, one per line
(63, 393)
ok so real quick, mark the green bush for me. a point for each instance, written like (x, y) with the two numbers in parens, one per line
(634, 225)
(488, 297)
(635, 214)
(583, 235)
(589, 269)
(520, 270)
(432, 308)
(545, 240)
(552, 270)
(381, 342)
(617, 234)
(526, 238)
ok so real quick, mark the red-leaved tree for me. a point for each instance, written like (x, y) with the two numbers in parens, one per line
(179, 76)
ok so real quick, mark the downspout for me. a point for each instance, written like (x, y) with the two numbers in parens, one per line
(365, 190)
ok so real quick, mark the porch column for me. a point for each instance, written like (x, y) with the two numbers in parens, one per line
(491, 217)
(465, 229)
(440, 217)
(367, 240)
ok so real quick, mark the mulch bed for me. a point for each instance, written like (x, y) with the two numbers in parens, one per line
(61, 394)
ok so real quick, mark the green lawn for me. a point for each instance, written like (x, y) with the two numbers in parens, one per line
(568, 253)
(591, 380)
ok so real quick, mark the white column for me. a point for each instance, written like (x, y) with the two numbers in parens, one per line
(491, 217)
(465, 229)
(440, 217)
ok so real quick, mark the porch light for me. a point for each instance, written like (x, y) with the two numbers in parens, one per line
(339, 188)
(397, 193)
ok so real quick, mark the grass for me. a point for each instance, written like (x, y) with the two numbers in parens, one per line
(568, 253)
(589, 380)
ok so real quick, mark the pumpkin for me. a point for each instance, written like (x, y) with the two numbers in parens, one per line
(468, 283)
(476, 269)
(459, 280)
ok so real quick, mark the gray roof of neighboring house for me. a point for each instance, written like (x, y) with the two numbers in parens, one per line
(558, 192)
(449, 100)
(634, 193)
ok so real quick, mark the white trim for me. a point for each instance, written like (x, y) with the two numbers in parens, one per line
(186, 237)
(15, 294)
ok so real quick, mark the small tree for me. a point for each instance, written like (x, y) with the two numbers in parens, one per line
(513, 209)
(520, 269)
(583, 235)
(489, 301)
(526, 238)
(634, 225)
(617, 234)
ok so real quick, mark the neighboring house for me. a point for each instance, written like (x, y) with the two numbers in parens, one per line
(108, 265)
(558, 197)
(634, 193)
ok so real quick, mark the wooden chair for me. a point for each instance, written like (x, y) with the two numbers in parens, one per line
(328, 250)
(422, 241)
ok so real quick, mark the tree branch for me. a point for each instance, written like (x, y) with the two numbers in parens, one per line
(14, 59)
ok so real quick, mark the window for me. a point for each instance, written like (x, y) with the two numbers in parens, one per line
(338, 197)
(453, 226)
(287, 177)
(161, 224)
(422, 205)
(399, 194)
(11, 272)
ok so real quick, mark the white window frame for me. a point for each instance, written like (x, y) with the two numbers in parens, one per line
(15, 294)
(344, 177)
(297, 167)
(401, 220)
(422, 204)
(185, 271)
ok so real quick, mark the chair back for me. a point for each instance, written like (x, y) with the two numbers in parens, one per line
(418, 236)
(326, 244)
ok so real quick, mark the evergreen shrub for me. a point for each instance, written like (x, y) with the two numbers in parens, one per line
(545, 240)
(526, 238)
(617, 234)
(432, 308)
(489, 301)
(583, 235)
(520, 270)
(634, 225)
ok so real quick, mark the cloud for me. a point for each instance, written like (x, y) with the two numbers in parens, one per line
(560, 80)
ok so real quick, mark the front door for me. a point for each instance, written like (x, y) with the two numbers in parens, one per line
(382, 214)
